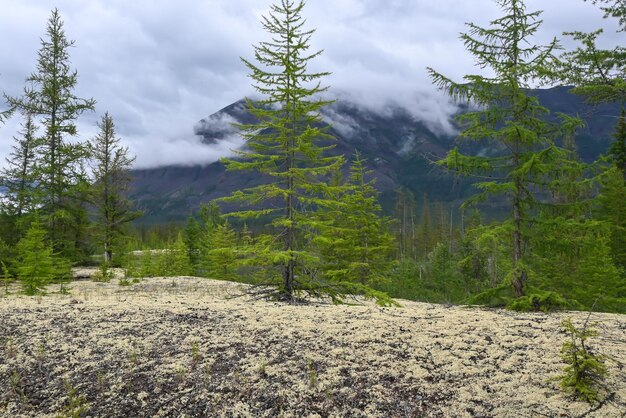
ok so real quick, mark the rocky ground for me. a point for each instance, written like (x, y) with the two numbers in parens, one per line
(184, 347)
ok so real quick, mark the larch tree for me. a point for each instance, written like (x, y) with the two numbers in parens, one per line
(49, 97)
(111, 186)
(38, 265)
(504, 113)
(219, 250)
(287, 145)
(599, 76)
(356, 243)
(19, 174)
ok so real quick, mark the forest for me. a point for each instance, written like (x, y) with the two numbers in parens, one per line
(543, 231)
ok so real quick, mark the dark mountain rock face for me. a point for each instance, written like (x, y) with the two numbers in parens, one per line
(398, 148)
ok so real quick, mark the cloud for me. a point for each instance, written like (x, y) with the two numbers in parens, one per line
(184, 151)
(159, 66)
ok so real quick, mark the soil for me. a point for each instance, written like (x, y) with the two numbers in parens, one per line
(190, 347)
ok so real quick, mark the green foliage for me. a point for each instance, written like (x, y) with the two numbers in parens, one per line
(285, 144)
(289, 145)
(37, 264)
(573, 258)
(111, 185)
(191, 235)
(508, 116)
(613, 195)
(104, 273)
(219, 253)
(538, 302)
(76, 406)
(147, 264)
(599, 75)
(444, 277)
(49, 97)
(19, 175)
(355, 241)
(585, 371)
(172, 261)
(180, 265)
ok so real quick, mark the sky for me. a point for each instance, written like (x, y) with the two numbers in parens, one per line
(159, 66)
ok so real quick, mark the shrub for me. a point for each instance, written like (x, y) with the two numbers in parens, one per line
(539, 302)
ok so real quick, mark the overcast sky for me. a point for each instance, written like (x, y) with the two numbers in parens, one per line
(159, 66)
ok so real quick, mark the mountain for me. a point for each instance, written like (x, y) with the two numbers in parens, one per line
(399, 148)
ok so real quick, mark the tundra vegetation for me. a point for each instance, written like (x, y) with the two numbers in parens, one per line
(317, 231)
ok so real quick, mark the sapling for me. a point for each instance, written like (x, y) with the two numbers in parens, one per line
(585, 371)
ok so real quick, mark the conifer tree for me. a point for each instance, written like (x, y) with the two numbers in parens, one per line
(288, 145)
(111, 184)
(147, 264)
(220, 253)
(192, 234)
(597, 74)
(36, 260)
(49, 97)
(508, 116)
(356, 243)
(179, 263)
(19, 175)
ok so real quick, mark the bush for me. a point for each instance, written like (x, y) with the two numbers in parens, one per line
(539, 302)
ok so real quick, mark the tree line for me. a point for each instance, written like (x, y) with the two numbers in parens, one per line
(313, 231)
(64, 196)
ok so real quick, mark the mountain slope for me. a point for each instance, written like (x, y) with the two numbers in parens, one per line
(398, 147)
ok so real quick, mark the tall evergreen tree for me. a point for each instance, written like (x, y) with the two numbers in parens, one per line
(49, 96)
(111, 165)
(19, 175)
(287, 145)
(507, 115)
